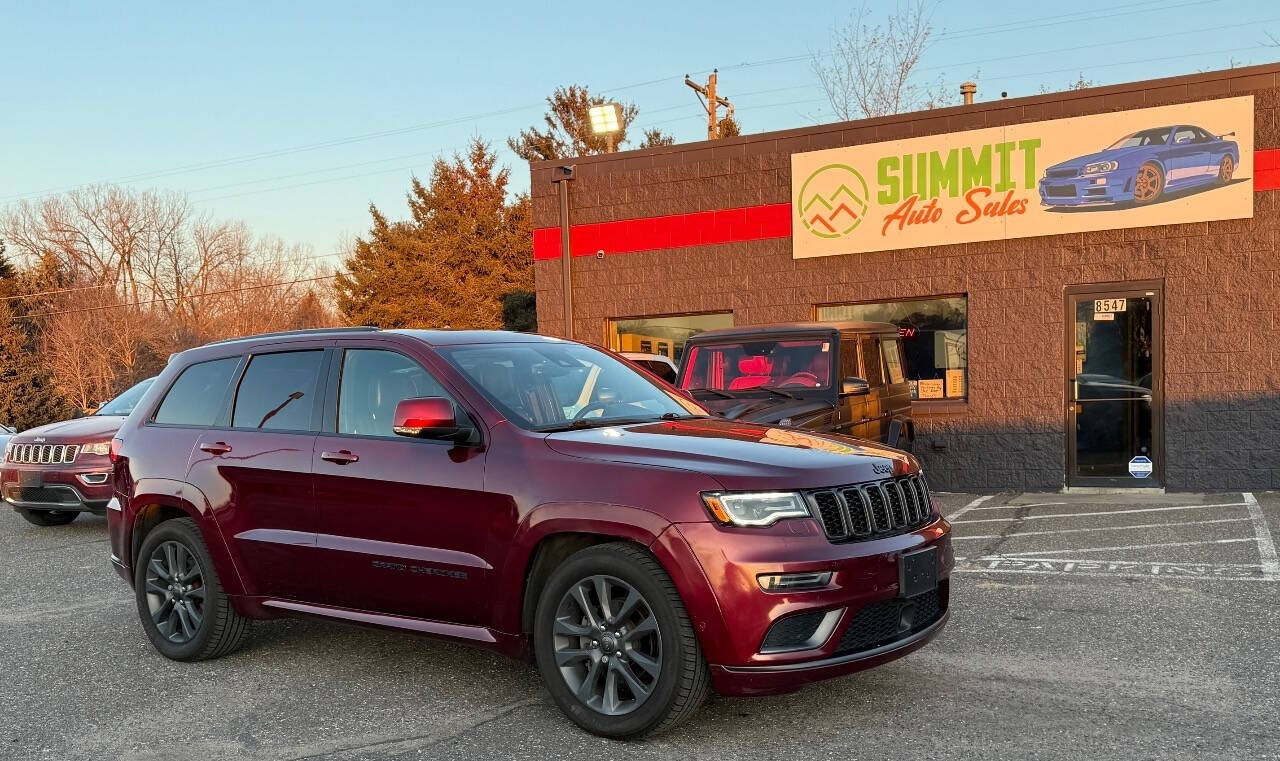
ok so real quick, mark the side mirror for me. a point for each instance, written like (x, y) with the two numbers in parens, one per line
(854, 387)
(429, 417)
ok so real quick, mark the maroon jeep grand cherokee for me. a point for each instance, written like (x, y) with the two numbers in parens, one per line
(534, 496)
(54, 472)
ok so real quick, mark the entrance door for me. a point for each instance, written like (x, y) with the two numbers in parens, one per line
(1114, 378)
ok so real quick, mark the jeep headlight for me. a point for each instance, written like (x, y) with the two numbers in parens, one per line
(98, 447)
(755, 508)
(1099, 167)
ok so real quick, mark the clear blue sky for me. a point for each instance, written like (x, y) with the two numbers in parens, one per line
(119, 91)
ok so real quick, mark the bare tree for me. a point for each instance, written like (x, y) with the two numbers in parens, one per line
(1080, 84)
(138, 274)
(869, 69)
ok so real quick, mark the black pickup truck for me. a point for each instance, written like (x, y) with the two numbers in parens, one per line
(845, 377)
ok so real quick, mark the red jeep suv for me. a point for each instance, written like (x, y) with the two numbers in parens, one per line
(535, 496)
(54, 472)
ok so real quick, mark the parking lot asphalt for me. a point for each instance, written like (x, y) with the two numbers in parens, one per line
(1083, 627)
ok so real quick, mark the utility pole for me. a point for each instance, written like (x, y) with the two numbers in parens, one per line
(712, 102)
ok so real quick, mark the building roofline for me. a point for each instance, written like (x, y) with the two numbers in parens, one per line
(1249, 73)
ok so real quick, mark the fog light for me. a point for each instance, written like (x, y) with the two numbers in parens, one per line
(92, 479)
(792, 582)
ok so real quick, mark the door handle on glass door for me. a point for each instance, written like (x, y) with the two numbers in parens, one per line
(216, 448)
(341, 457)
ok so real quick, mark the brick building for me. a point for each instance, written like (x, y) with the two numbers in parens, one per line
(1039, 359)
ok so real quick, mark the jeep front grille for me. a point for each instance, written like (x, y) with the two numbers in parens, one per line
(872, 510)
(44, 454)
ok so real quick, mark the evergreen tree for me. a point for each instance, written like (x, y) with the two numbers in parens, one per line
(449, 264)
(568, 128)
(28, 396)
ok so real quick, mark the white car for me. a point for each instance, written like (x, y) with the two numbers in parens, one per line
(657, 364)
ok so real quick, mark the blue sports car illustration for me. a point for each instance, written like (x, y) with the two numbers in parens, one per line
(1141, 167)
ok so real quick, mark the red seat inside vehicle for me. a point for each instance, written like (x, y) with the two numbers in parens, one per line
(754, 371)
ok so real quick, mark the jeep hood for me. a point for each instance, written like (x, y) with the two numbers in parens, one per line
(739, 455)
(768, 410)
(82, 430)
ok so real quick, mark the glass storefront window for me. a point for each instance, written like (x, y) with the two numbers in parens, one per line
(662, 335)
(934, 336)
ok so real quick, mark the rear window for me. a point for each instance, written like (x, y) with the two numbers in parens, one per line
(278, 392)
(195, 398)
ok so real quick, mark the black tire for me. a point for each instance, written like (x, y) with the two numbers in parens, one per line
(684, 678)
(220, 630)
(49, 517)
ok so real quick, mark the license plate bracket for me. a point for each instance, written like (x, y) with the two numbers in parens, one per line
(30, 479)
(918, 572)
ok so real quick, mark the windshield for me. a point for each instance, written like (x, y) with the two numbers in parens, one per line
(1157, 136)
(124, 403)
(797, 364)
(548, 386)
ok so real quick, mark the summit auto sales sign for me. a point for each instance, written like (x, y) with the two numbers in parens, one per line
(1153, 166)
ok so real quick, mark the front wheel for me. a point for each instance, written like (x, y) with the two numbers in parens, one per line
(1149, 184)
(48, 517)
(615, 645)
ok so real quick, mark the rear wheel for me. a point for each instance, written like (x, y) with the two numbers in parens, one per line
(48, 517)
(1149, 183)
(1225, 170)
(615, 646)
(183, 609)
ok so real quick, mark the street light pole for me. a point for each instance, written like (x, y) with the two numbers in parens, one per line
(561, 175)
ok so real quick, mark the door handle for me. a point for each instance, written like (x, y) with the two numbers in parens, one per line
(341, 457)
(216, 448)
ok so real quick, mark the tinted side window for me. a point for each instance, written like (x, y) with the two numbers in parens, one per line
(871, 362)
(893, 360)
(278, 391)
(849, 359)
(373, 382)
(195, 398)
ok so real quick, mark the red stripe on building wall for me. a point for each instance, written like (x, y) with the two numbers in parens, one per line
(772, 220)
(1266, 169)
(700, 228)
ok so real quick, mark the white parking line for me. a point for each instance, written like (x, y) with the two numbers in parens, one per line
(1110, 568)
(1262, 534)
(1103, 528)
(972, 505)
(1104, 512)
(1107, 561)
(1014, 507)
(1061, 550)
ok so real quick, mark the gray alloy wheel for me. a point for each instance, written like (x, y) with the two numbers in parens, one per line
(608, 646)
(615, 645)
(175, 592)
(180, 600)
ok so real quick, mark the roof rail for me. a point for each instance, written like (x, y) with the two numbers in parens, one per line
(303, 332)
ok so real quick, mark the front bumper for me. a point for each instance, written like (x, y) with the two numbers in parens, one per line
(85, 488)
(1087, 190)
(864, 584)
